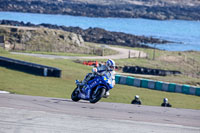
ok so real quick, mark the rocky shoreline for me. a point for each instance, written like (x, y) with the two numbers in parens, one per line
(98, 35)
(151, 9)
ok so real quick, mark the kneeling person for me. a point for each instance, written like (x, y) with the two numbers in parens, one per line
(166, 103)
(136, 100)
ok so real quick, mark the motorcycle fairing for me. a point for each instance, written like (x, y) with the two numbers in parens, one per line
(96, 82)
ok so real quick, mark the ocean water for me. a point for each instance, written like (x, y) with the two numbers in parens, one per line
(186, 34)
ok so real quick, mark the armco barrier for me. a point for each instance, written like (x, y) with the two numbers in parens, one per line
(165, 86)
(117, 79)
(178, 88)
(151, 84)
(130, 80)
(171, 87)
(144, 83)
(198, 91)
(192, 90)
(186, 89)
(28, 67)
(122, 80)
(157, 85)
(137, 82)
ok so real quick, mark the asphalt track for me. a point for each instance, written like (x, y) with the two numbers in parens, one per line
(34, 114)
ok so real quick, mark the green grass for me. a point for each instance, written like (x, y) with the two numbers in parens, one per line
(55, 53)
(2, 51)
(27, 84)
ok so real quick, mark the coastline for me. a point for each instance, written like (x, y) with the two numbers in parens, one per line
(155, 9)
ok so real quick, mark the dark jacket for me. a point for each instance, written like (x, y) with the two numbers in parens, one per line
(166, 105)
(136, 102)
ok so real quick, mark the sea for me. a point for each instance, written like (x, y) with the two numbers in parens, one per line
(185, 34)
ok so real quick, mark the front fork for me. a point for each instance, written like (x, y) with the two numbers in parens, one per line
(99, 87)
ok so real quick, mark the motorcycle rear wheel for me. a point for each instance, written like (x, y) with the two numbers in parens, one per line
(74, 95)
(97, 96)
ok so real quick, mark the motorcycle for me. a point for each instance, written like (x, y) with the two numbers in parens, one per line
(94, 90)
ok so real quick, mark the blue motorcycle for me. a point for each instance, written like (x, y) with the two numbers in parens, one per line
(94, 90)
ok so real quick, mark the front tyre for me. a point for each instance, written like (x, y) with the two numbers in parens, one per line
(97, 95)
(74, 95)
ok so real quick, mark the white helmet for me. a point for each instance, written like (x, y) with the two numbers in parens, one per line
(110, 64)
(137, 97)
(94, 70)
(165, 100)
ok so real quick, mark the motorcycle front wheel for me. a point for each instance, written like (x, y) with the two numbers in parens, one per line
(74, 95)
(97, 95)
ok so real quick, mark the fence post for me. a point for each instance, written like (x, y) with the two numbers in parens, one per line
(139, 55)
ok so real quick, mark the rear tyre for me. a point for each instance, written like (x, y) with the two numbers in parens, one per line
(74, 95)
(95, 97)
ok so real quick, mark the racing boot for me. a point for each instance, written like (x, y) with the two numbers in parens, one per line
(107, 94)
(80, 85)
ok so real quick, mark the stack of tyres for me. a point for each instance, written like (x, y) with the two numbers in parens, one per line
(149, 71)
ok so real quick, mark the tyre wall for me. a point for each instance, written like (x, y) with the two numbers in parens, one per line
(158, 85)
(148, 71)
(28, 67)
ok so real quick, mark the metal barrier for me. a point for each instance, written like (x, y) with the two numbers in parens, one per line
(28, 67)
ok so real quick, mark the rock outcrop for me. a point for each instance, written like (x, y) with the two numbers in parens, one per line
(151, 9)
(41, 39)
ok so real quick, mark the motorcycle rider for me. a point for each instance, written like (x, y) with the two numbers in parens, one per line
(108, 69)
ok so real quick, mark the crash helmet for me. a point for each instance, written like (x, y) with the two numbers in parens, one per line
(94, 69)
(137, 97)
(110, 64)
(165, 100)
